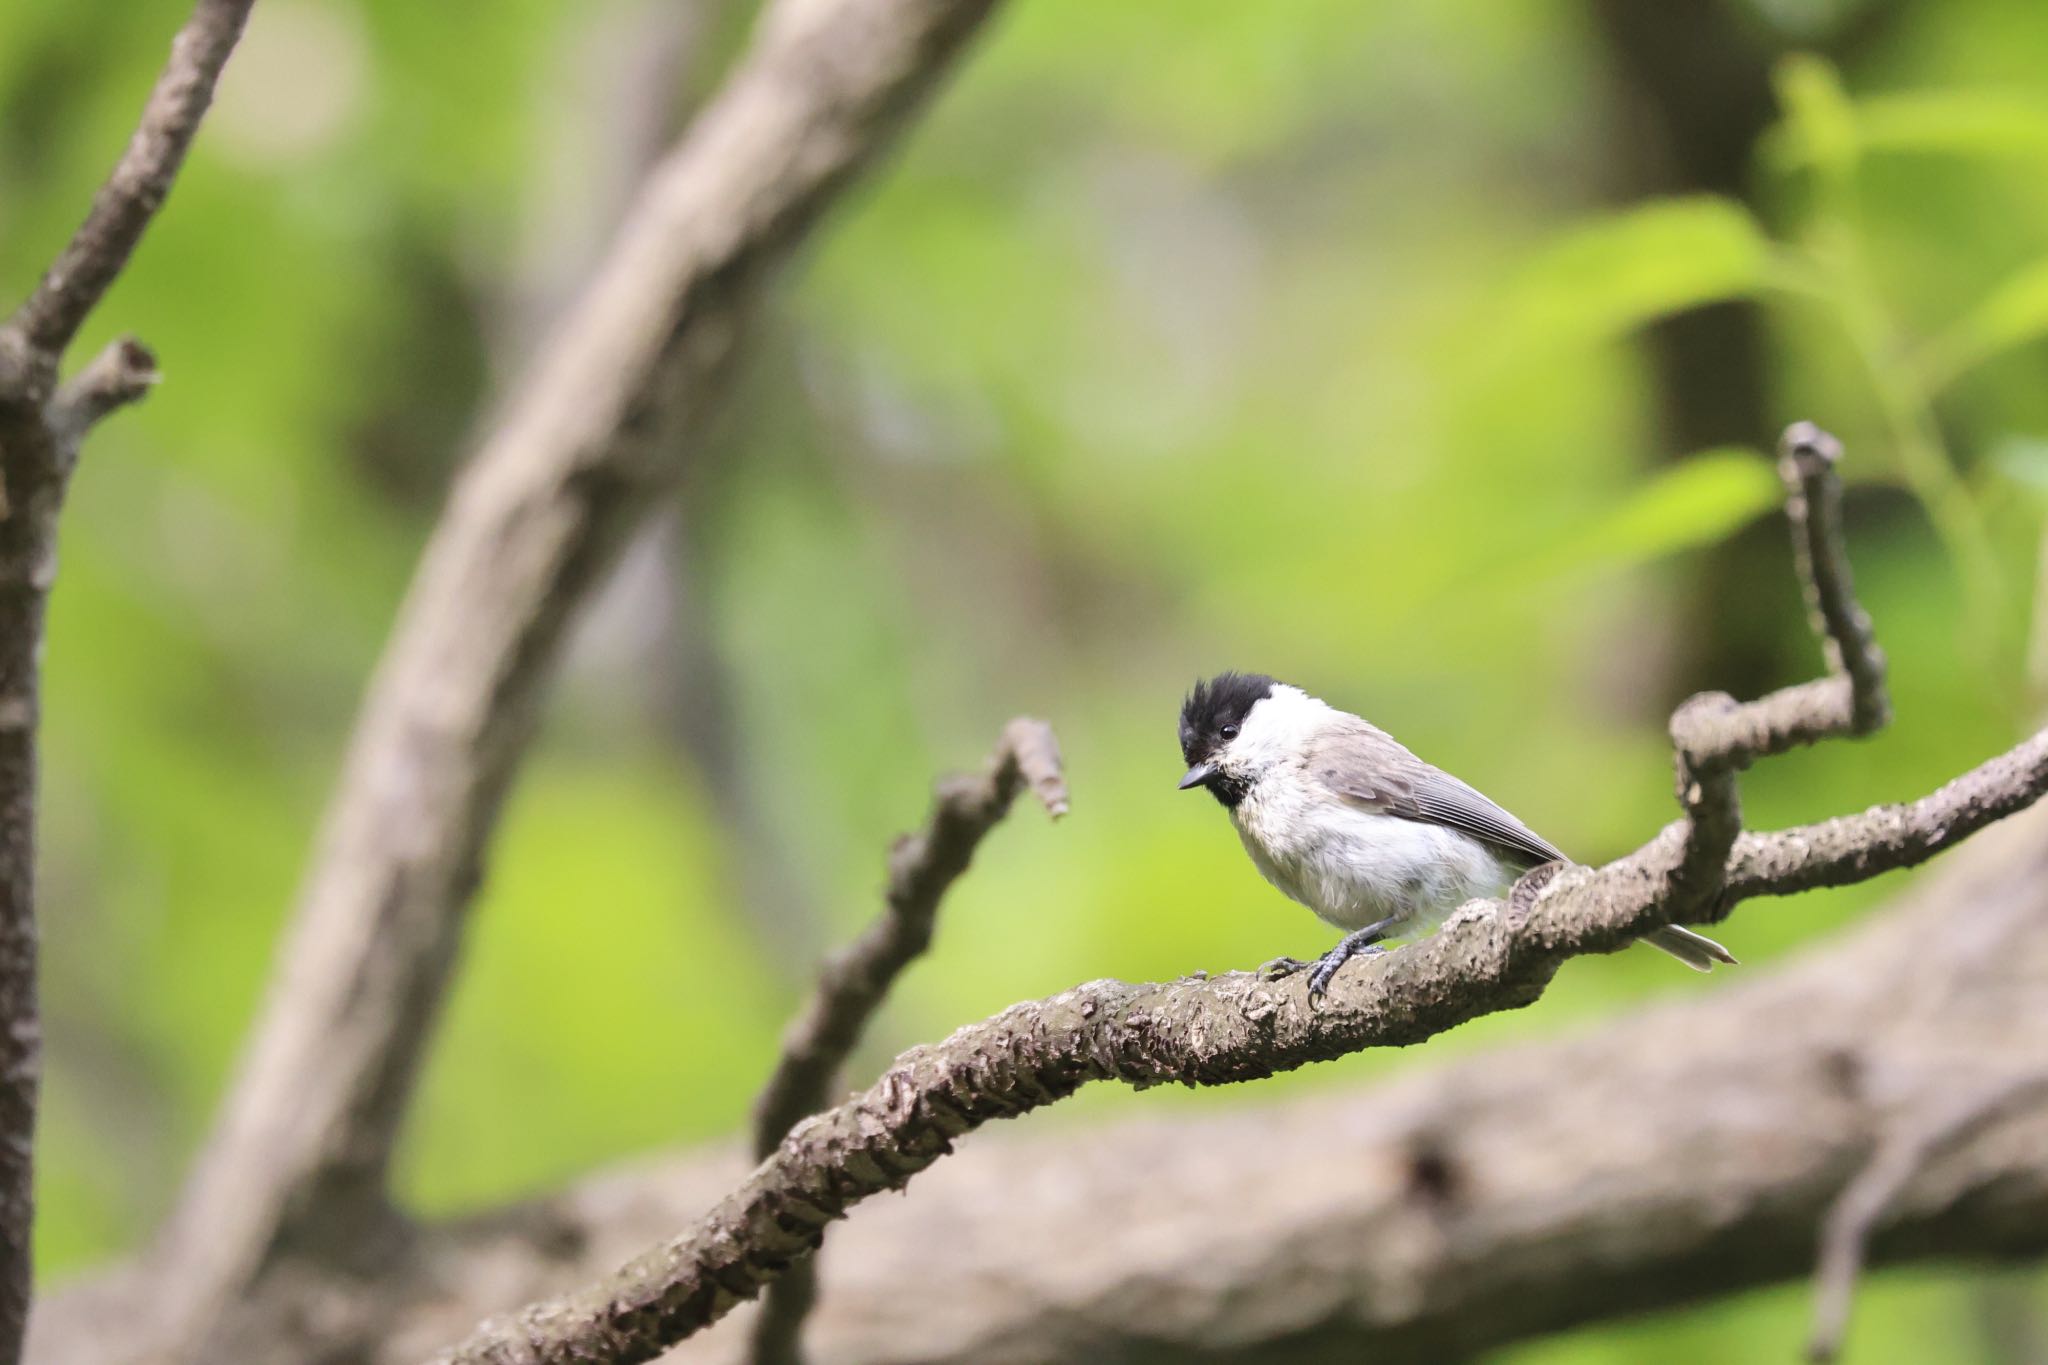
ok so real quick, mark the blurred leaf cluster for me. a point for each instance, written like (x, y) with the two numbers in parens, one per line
(1185, 334)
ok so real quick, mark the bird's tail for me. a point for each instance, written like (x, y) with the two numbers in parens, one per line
(1696, 951)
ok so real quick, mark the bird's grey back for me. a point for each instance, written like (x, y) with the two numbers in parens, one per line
(1368, 767)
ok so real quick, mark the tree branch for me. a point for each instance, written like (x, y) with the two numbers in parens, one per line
(616, 403)
(123, 373)
(1678, 1153)
(140, 181)
(1875, 1192)
(1487, 958)
(39, 439)
(1716, 737)
(855, 981)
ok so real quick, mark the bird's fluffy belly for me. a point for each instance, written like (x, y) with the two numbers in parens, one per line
(1353, 867)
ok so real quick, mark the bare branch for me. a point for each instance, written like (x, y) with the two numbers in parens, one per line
(1855, 848)
(1194, 1032)
(855, 981)
(1716, 737)
(1681, 1152)
(1872, 1195)
(140, 181)
(1806, 460)
(922, 867)
(617, 402)
(1488, 957)
(39, 438)
(123, 373)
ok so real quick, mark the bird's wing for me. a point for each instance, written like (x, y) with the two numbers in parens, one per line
(1371, 769)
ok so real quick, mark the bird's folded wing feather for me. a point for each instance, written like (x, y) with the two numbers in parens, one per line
(1372, 770)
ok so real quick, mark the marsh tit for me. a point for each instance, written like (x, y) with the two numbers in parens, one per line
(1339, 816)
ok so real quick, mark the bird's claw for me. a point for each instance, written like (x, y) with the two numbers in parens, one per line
(1281, 967)
(1331, 963)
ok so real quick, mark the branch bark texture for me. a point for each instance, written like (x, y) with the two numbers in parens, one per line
(1681, 1152)
(132, 194)
(41, 426)
(1490, 956)
(587, 442)
(857, 979)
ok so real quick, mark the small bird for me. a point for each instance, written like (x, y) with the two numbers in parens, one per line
(1341, 817)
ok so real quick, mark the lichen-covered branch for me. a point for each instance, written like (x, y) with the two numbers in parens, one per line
(1489, 957)
(586, 444)
(41, 426)
(854, 981)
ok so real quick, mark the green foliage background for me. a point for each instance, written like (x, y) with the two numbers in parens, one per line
(1184, 334)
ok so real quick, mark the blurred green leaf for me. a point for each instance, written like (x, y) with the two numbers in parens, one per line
(1695, 502)
(1823, 128)
(2023, 461)
(1966, 122)
(1607, 277)
(2013, 314)
(1820, 127)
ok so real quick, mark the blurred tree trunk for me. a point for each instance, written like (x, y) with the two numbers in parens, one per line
(1690, 80)
(1690, 83)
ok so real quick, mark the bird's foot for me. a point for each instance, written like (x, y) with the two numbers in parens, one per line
(1363, 943)
(1326, 970)
(1281, 967)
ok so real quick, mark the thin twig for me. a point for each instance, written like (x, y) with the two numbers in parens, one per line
(1715, 737)
(1868, 1199)
(854, 982)
(140, 181)
(122, 373)
(617, 402)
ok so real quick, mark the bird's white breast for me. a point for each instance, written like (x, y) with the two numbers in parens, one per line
(1353, 866)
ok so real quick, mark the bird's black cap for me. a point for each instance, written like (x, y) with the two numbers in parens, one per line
(1211, 705)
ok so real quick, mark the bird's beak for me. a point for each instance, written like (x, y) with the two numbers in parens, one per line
(1197, 775)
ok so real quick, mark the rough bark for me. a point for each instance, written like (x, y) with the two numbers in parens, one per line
(1688, 1150)
(856, 980)
(588, 441)
(41, 425)
(1490, 956)
(1196, 1031)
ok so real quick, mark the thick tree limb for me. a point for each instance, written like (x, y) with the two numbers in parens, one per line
(855, 981)
(598, 429)
(1197, 1032)
(39, 438)
(1488, 957)
(1676, 1154)
(1904, 1154)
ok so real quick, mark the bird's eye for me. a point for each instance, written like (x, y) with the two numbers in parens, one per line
(1230, 732)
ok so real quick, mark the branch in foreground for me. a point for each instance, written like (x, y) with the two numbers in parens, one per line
(136, 189)
(855, 981)
(1716, 737)
(589, 442)
(1199, 1032)
(1679, 1153)
(1231, 1028)
(39, 439)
